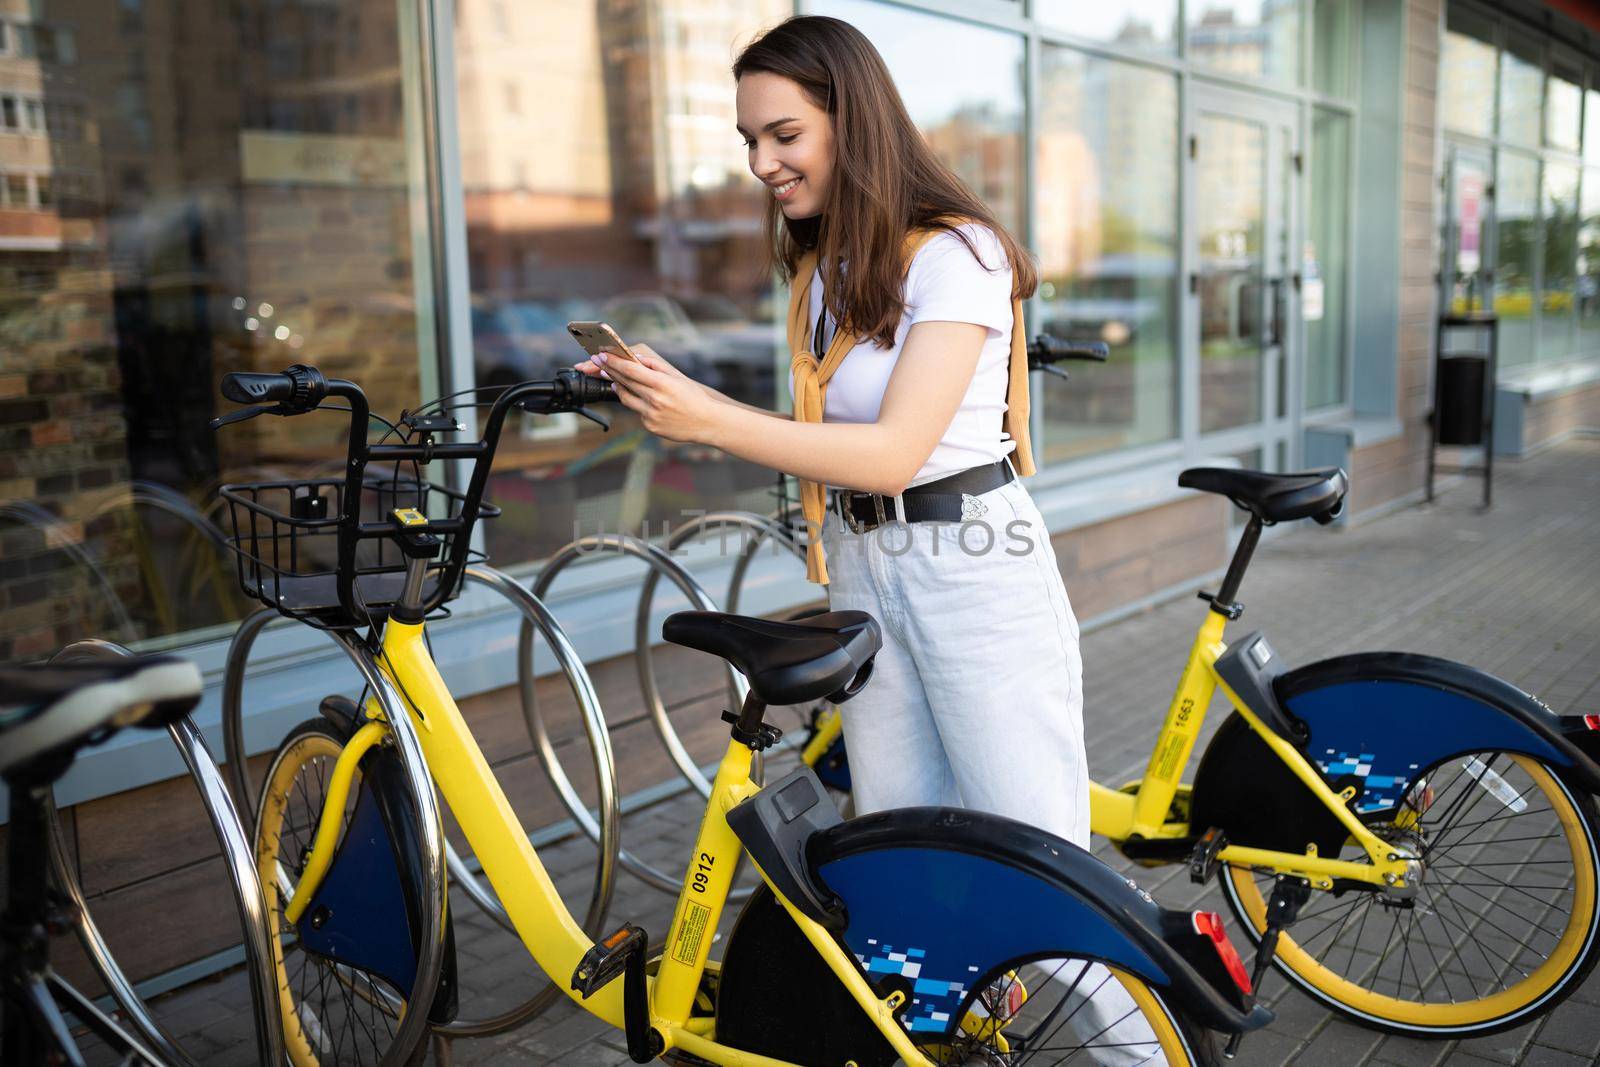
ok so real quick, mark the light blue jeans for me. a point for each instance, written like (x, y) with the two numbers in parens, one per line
(976, 698)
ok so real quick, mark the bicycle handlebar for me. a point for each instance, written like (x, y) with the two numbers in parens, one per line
(1046, 349)
(299, 388)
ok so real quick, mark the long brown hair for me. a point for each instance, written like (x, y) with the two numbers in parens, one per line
(886, 179)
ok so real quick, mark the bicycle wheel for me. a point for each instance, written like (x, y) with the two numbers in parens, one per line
(332, 1014)
(1503, 925)
(774, 988)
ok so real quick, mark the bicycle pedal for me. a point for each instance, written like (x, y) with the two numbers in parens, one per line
(1203, 861)
(608, 958)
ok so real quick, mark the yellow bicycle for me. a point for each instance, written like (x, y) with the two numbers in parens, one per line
(1411, 841)
(919, 936)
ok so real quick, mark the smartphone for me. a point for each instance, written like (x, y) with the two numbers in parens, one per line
(594, 336)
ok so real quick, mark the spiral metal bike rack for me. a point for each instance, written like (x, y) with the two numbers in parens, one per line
(765, 528)
(659, 563)
(238, 859)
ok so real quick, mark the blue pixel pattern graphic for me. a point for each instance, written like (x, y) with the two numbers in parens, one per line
(944, 920)
(1387, 732)
(1379, 791)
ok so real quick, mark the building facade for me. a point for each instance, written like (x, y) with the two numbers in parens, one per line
(1260, 205)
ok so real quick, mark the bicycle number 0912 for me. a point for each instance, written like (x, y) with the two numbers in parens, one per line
(701, 875)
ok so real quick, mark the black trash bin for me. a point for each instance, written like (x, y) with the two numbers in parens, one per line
(1463, 392)
(1460, 411)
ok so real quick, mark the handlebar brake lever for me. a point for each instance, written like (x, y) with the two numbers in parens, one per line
(599, 420)
(1059, 372)
(241, 415)
(246, 414)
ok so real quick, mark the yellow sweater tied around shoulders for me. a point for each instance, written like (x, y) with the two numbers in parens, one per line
(811, 376)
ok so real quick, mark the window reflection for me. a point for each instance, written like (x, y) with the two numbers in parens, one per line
(1591, 122)
(1563, 103)
(1559, 204)
(971, 112)
(1145, 25)
(1466, 76)
(1517, 231)
(1521, 85)
(618, 190)
(1253, 38)
(1106, 210)
(174, 207)
(1586, 293)
(1333, 46)
(1324, 259)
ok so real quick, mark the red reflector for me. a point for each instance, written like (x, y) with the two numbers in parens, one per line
(1209, 924)
(1592, 721)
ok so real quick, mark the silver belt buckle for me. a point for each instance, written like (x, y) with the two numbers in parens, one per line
(848, 513)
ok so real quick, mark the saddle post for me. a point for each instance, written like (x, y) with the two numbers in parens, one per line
(1224, 601)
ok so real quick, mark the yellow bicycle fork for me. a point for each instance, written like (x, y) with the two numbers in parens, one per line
(547, 929)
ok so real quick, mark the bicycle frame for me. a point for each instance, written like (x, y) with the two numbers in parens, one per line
(1143, 811)
(541, 919)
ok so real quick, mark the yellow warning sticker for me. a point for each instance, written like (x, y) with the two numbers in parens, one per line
(1171, 757)
(686, 949)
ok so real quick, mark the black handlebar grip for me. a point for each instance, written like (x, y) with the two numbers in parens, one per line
(1048, 346)
(300, 387)
(596, 391)
(247, 388)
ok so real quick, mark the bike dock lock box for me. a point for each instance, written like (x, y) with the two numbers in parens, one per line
(1465, 358)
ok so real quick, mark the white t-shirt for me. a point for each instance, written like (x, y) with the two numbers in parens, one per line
(944, 284)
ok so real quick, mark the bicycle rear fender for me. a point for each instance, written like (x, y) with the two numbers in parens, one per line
(951, 899)
(1383, 717)
(367, 912)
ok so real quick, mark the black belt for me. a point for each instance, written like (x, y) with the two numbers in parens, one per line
(943, 500)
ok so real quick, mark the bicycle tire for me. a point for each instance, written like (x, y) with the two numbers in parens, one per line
(1507, 939)
(318, 1001)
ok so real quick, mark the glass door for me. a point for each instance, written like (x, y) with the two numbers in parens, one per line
(1469, 192)
(1244, 161)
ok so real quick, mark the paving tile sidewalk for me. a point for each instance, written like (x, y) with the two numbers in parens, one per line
(1512, 591)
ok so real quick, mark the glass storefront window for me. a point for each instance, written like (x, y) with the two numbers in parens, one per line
(1586, 308)
(1326, 258)
(1521, 86)
(1107, 225)
(1467, 75)
(1333, 33)
(618, 189)
(1517, 243)
(971, 111)
(1558, 285)
(1145, 25)
(1563, 106)
(233, 197)
(1591, 118)
(1252, 38)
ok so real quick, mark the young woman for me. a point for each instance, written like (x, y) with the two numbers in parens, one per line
(976, 699)
(916, 409)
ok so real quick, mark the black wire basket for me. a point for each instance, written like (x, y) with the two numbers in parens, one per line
(292, 539)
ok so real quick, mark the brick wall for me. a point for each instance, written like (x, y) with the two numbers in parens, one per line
(61, 451)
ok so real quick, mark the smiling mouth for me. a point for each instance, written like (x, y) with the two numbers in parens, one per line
(782, 191)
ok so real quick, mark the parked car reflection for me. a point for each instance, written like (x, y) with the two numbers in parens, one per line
(707, 336)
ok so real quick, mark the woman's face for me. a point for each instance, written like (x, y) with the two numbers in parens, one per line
(790, 142)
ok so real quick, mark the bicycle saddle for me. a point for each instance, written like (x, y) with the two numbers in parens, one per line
(62, 708)
(827, 655)
(1317, 494)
